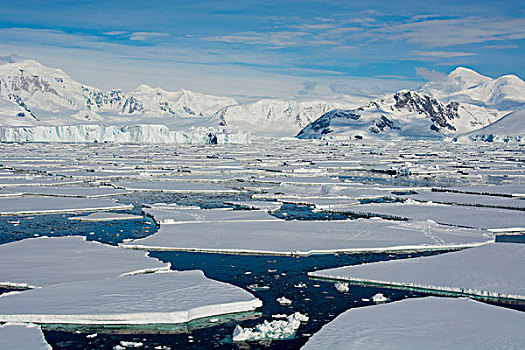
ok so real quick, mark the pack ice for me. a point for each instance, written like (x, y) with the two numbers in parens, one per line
(423, 323)
(80, 282)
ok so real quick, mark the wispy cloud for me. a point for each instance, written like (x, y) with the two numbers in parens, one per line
(443, 54)
(429, 74)
(502, 47)
(116, 33)
(139, 36)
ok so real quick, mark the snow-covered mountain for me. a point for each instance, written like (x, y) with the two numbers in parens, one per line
(277, 117)
(510, 128)
(404, 114)
(33, 94)
(505, 93)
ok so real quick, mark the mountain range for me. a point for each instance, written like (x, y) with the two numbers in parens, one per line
(32, 94)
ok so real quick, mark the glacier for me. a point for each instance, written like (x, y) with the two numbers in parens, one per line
(135, 134)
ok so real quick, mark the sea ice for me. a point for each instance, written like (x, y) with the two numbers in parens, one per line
(89, 283)
(492, 219)
(308, 237)
(423, 323)
(275, 330)
(96, 217)
(50, 205)
(485, 271)
(174, 187)
(22, 336)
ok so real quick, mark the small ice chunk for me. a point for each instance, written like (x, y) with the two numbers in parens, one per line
(284, 301)
(91, 336)
(300, 285)
(379, 298)
(275, 330)
(342, 287)
(131, 344)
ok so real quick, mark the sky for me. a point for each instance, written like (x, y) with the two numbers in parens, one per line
(251, 49)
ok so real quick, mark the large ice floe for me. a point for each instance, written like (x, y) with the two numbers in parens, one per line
(20, 336)
(78, 282)
(467, 199)
(259, 233)
(488, 272)
(493, 219)
(425, 323)
(174, 187)
(50, 205)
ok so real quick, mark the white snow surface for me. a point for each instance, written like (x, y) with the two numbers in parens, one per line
(20, 336)
(506, 190)
(304, 237)
(423, 323)
(488, 270)
(510, 128)
(403, 115)
(466, 199)
(83, 282)
(465, 85)
(163, 297)
(48, 205)
(174, 214)
(95, 217)
(45, 261)
(174, 187)
(465, 216)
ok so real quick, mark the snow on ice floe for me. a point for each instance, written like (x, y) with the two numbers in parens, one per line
(423, 323)
(60, 191)
(23, 336)
(493, 219)
(49, 205)
(155, 298)
(96, 217)
(305, 237)
(45, 261)
(485, 271)
(466, 199)
(174, 187)
(165, 214)
(506, 190)
(80, 282)
(256, 205)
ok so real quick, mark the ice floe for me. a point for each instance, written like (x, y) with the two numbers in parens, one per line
(79, 282)
(488, 271)
(305, 237)
(50, 205)
(22, 336)
(95, 217)
(423, 323)
(493, 219)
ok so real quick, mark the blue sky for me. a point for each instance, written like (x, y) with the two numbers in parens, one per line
(267, 48)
